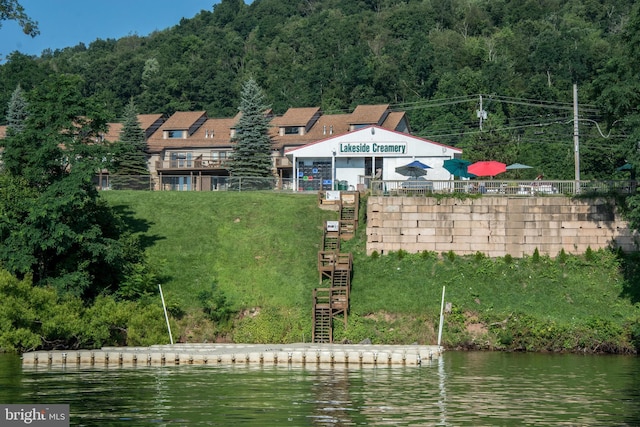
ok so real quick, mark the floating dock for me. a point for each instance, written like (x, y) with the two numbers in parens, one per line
(238, 354)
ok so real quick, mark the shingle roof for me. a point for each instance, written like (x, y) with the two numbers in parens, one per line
(216, 132)
(182, 120)
(327, 125)
(113, 132)
(148, 120)
(213, 133)
(368, 114)
(296, 117)
(393, 120)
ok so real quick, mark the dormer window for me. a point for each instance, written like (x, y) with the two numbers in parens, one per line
(292, 130)
(174, 134)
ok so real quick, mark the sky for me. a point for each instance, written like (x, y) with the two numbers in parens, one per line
(65, 23)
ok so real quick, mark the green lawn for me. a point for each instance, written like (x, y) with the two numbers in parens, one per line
(261, 250)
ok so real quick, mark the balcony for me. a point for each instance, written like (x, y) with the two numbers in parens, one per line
(192, 165)
(283, 162)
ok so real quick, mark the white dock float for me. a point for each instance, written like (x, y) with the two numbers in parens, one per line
(237, 354)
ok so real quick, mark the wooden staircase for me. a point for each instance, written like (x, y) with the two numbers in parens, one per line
(322, 318)
(335, 269)
(330, 240)
(349, 203)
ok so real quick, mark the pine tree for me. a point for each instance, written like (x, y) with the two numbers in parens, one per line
(130, 157)
(54, 227)
(17, 111)
(252, 144)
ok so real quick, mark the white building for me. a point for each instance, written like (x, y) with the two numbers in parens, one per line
(350, 160)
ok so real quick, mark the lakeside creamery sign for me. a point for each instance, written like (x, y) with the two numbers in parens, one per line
(369, 148)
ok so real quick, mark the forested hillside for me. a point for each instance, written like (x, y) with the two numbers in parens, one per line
(442, 61)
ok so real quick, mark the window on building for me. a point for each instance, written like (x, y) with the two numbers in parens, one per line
(171, 134)
(177, 183)
(218, 155)
(181, 160)
(291, 130)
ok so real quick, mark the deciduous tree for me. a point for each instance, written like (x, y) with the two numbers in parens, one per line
(11, 10)
(53, 225)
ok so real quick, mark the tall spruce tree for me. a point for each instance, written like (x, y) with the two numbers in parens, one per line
(17, 111)
(129, 156)
(252, 143)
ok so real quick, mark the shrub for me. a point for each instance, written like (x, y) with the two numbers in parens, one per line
(215, 304)
(562, 257)
(451, 256)
(428, 255)
(401, 253)
(535, 258)
(479, 256)
(272, 325)
(589, 255)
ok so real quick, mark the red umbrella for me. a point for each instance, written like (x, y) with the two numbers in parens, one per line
(487, 168)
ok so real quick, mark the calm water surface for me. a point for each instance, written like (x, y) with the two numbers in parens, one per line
(464, 389)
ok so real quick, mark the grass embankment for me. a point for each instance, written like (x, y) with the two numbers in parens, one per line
(260, 249)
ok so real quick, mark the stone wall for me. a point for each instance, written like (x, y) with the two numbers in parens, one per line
(495, 226)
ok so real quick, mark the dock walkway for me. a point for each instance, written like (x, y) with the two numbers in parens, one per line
(228, 354)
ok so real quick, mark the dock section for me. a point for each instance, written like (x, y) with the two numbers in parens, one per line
(238, 354)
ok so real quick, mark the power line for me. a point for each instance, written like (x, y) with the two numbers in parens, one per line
(539, 103)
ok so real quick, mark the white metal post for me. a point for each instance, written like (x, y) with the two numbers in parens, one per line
(166, 317)
(441, 318)
(576, 138)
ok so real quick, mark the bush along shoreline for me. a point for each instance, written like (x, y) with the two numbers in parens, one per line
(229, 286)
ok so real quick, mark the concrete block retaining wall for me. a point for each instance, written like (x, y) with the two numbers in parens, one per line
(495, 226)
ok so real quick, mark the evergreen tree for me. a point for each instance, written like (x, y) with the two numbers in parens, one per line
(130, 157)
(17, 111)
(53, 225)
(252, 144)
(59, 134)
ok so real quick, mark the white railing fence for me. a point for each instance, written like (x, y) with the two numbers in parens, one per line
(411, 187)
(501, 188)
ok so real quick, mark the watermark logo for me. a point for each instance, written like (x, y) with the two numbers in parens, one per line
(34, 415)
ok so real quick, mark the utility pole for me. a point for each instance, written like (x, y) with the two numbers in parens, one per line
(481, 114)
(576, 138)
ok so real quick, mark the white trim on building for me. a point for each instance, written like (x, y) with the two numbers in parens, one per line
(348, 160)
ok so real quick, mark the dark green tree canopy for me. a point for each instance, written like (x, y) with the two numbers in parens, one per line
(53, 225)
(12, 10)
(61, 132)
(429, 58)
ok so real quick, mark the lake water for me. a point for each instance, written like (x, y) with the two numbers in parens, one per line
(463, 389)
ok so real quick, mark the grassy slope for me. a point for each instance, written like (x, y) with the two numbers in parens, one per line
(261, 249)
